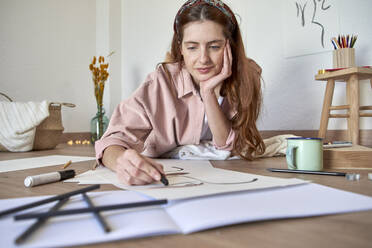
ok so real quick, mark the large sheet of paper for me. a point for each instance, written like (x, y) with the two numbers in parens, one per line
(201, 179)
(30, 163)
(102, 175)
(185, 217)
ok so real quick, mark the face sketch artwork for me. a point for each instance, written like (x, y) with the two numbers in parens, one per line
(318, 7)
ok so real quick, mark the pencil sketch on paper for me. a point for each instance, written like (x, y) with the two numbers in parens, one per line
(308, 25)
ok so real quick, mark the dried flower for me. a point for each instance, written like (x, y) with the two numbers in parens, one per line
(99, 76)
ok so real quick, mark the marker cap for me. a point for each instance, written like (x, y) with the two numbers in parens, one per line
(67, 174)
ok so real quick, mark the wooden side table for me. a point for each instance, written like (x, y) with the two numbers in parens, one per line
(351, 76)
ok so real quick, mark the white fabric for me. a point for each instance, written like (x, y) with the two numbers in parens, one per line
(275, 146)
(18, 122)
(204, 151)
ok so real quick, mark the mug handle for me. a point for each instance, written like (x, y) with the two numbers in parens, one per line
(290, 154)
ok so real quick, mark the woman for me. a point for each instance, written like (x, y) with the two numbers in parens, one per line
(208, 90)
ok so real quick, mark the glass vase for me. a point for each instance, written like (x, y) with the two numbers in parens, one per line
(98, 124)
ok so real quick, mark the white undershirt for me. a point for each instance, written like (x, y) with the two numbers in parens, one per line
(206, 133)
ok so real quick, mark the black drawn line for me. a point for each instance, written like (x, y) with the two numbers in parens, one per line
(302, 9)
(317, 23)
(298, 10)
(324, 8)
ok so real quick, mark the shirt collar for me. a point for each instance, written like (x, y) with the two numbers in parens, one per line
(187, 85)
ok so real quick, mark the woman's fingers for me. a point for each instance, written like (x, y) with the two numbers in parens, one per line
(229, 52)
(226, 66)
(137, 169)
(225, 72)
(144, 165)
(158, 166)
(127, 179)
(227, 60)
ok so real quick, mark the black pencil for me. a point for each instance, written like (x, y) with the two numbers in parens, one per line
(164, 180)
(51, 199)
(97, 215)
(21, 238)
(91, 209)
(327, 173)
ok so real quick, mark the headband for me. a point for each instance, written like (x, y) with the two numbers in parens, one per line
(215, 3)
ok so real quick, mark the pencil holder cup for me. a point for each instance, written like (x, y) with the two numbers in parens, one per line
(305, 154)
(343, 58)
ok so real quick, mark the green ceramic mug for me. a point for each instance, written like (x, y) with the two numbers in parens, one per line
(305, 154)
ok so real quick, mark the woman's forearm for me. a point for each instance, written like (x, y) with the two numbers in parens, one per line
(217, 121)
(110, 156)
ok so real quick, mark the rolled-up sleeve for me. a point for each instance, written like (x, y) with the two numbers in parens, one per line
(229, 145)
(129, 126)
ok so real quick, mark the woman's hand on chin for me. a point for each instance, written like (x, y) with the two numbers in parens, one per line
(208, 86)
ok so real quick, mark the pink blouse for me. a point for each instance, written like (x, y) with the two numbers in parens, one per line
(160, 115)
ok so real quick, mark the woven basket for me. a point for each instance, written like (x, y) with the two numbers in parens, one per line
(48, 132)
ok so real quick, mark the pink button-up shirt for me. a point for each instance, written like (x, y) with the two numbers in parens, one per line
(160, 115)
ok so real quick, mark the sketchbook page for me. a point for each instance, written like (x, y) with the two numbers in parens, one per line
(101, 175)
(84, 229)
(290, 202)
(30, 163)
(203, 181)
(171, 165)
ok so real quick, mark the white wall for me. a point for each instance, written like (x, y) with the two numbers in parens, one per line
(46, 47)
(292, 98)
(45, 51)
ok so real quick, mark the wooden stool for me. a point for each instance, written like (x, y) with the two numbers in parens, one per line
(351, 76)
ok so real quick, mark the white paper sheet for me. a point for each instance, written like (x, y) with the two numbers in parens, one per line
(202, 179)
(103, 175)
(84, 229)
(182, 216)
(297, 201)
(30, 163)
(215, 181)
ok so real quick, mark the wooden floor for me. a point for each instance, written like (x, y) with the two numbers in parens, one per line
(342, 230)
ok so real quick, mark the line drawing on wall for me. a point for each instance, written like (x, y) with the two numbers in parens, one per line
(308, 25)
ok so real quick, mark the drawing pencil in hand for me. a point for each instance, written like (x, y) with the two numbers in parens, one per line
(164, 180)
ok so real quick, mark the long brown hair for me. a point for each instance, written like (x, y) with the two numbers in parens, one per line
(242, 88)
